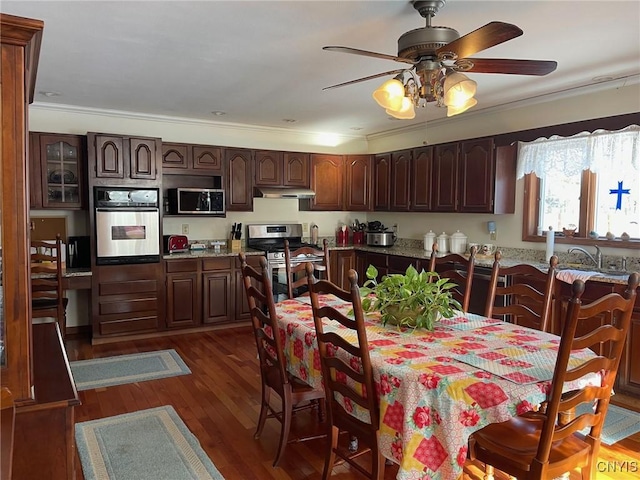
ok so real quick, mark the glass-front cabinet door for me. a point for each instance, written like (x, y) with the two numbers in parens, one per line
(61, 164)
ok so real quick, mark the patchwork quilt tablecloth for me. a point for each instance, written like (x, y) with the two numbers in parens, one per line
(436, 388)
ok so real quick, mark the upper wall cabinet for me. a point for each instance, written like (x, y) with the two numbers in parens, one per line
(182, 158)
(487, 177)
(400, 165)
(420, 179)
(382, 182)
(239, 186)
(358, 189)
(281, 169)
(402, 180)
(117, 158)
(327, 182)
(474, 177)
(445, 178)
(56, 176)
(332, 192)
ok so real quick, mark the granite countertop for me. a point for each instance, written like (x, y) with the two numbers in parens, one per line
(414, 252)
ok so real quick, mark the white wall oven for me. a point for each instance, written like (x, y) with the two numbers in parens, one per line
(127, 224)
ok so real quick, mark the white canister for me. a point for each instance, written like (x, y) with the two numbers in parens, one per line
(429, 240)
(443, 243)
(458, 242)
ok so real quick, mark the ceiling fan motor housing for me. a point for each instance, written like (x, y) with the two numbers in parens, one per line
(423, 42)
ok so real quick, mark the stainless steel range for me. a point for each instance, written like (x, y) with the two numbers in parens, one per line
(270, 239)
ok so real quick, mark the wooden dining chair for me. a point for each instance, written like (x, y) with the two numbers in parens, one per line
(537, 446)
(296, 277)
(47, 292)
(294, 393)
(338, 356)
(457, 268)
(528, 300)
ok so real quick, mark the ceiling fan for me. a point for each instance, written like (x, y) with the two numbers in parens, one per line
(438, 55)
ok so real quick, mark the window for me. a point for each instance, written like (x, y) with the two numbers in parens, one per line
(588, 184)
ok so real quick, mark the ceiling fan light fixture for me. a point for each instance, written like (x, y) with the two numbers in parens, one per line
(456, 109)
(405, 112)
(389, 95)
(458, 89)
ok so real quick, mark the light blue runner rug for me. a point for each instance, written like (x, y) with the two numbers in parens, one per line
(619, 423)
(137, 367)
(152, 444)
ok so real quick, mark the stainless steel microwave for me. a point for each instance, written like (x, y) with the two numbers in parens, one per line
(196, 201)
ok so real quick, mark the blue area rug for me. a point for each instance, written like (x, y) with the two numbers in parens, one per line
(620, 423)
(152, 444)
(137, 367)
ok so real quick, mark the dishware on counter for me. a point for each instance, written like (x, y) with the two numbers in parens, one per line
(443, 243)
(429, 240)
(458, 242)
(471, 245)
(488, 249)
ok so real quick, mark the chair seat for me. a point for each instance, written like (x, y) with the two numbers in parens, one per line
(515, 443)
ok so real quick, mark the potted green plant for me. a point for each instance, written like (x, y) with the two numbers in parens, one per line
(411, 299)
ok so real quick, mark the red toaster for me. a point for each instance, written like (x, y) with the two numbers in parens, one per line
(175, 243)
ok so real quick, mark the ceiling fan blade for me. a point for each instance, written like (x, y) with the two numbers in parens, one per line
(490, 35)
(364, 79)
(510, 66)
(366, 53)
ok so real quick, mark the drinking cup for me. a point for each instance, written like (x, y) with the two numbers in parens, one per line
(488, 249)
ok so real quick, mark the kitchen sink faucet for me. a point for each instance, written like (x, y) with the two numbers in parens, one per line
(597, 260)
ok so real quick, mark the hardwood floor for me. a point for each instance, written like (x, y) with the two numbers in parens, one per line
(220, 401)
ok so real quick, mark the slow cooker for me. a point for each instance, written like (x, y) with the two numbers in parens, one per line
(381, 239)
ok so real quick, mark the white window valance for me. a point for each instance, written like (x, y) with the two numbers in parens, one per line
(596, 151)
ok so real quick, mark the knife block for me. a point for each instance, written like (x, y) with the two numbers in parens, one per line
(235, 245)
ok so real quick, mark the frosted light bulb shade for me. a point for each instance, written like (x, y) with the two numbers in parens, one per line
(405, 112)
(390, 94)
(453, 110)
(458, 88)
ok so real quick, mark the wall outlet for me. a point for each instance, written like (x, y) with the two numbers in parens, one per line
(493, 235)
(185, 229)
(305, 228)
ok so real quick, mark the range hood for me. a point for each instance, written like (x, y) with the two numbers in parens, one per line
(275, 192)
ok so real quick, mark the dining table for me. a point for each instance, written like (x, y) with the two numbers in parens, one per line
(435, 388)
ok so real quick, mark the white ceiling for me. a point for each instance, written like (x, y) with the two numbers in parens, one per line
(262, 61)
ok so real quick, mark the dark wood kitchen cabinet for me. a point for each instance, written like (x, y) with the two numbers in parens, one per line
(56, 176)
(217, 294)
(281, 169)
(382, 182)
(474, 177)
(629, 374)
(400, 165)
(420, 179)
(118, 158)
(332, 191)
(445, 178)
(239, 181)
(327, 182)
(341, 261)
(127, 299)
(358, 188)
(183, 293)
(188, 159)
